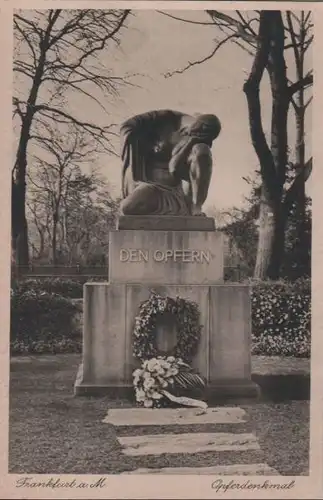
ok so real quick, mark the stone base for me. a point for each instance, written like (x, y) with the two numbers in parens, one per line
(165, 223)
(232, 389)
(223, 356)
(121, 391)
(225, 390)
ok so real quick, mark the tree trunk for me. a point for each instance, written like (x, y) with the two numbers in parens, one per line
(277, 216)
(278, 245)
(19, 229)
(266, 232)
(279, 143)
(273, 160)
(54, 240)
(300, 198)
(19, 221)
(41, 243)
(271, 239)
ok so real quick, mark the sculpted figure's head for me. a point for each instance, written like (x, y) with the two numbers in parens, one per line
(207, 126)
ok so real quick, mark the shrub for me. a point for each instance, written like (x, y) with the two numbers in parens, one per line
(67, 287)
(43, 322)
(281, 318)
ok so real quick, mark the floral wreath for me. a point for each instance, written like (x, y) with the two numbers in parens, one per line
(187, 320)
(160, 372)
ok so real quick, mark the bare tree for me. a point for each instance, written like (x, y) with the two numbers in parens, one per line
(301, 38)
(90, 219)
(58, 53)
(70, 210)
(38, 216)
(276, 203)
(267, 36)
(51, 178)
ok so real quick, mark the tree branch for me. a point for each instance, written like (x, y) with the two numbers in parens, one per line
(70, 118)
(302, 176)
(231, 21)
(308, 102)
(201, 23)
(35, 28)
(247, 24)
(16, 102)
(305, 82)
(102, 41)
(294, 42)
(27, 40)
(200, 61)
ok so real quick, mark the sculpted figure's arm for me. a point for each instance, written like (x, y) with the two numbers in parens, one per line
(180, 155)
(202, 129)
(192, 159)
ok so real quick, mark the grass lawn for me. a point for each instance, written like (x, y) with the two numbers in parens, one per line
(53, 432)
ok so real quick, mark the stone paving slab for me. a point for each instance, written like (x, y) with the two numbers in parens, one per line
(217, 470)
(174, 416)
(187, 443)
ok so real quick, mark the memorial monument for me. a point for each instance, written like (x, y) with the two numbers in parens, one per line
(165, 245)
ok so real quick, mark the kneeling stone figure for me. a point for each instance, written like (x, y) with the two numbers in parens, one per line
(167, 162)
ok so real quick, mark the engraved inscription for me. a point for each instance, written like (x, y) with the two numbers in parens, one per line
(181, 255)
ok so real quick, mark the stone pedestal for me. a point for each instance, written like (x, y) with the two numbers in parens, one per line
(186, 263)
(165, 223)
(166, 257)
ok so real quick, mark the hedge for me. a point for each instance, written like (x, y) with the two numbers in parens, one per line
(281, 318)
(42, 320)
(66, 287)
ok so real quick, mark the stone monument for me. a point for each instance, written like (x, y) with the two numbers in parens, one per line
(164, 243)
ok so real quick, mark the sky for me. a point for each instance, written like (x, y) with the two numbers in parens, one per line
(156, 44)
(153, 45)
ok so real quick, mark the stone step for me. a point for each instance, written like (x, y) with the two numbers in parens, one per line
(187, 443)
(217, 470)
(174, 416)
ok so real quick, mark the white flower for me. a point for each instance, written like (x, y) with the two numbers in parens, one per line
(171, 359)
(152, 363)
(156, 395)
(148, 383)
(140, 395)
(137, 372)
(148, 403)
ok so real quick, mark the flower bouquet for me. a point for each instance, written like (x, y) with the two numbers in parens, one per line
(160, 380)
